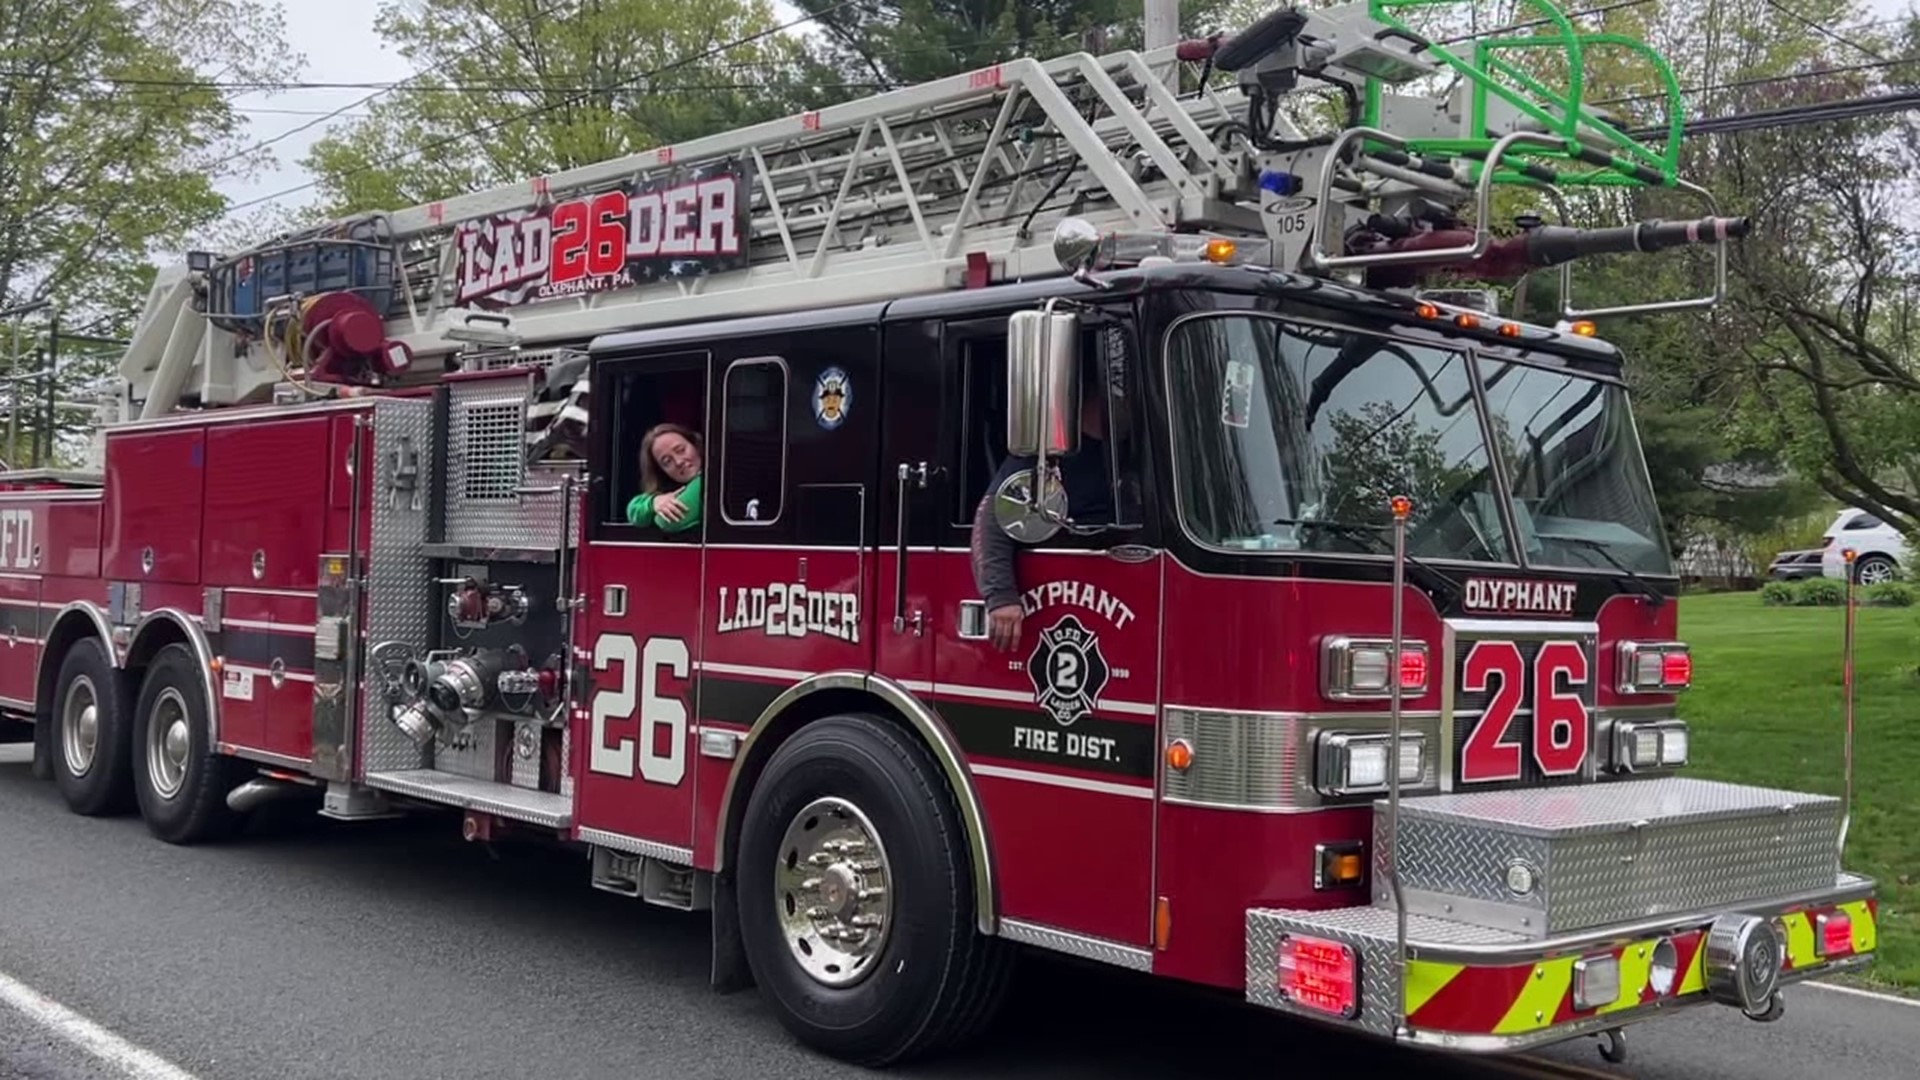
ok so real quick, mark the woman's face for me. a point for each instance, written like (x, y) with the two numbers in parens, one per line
(676, 456)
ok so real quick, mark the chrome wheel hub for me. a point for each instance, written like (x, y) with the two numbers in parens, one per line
(80, 726)
(168, 742)
(832, 892)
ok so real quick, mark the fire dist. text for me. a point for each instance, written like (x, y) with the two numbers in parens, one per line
(1072, 744)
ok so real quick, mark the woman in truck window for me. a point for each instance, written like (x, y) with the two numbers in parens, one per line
(671, 459)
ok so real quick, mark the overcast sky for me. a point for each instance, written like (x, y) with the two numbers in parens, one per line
(341, 46)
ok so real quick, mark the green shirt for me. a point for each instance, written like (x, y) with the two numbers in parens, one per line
(640, 510)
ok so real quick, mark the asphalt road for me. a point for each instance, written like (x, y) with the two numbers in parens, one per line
(313, 949)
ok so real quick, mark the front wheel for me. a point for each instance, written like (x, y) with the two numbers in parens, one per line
(856, 897)
(181, 781)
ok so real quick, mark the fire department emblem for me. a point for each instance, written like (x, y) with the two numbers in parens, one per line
(1067, 670)
(832, 395)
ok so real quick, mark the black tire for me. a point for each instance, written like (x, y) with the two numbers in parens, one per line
(192, 806)
(99, 782)
(935, 981)
(1875, 568)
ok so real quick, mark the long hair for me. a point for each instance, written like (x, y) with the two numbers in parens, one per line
(652, 480)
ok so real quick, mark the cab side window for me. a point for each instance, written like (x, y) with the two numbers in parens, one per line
(629, 397)
(754, 459)
(1109, 380)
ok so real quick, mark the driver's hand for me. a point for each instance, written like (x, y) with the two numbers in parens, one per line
(1003, 627)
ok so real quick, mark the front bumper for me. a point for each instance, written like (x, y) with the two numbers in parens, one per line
(1540, 915)
(1483, 990)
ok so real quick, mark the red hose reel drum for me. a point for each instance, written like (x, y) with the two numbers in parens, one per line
(340, 338)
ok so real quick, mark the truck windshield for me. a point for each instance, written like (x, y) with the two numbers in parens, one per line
(1292, 436)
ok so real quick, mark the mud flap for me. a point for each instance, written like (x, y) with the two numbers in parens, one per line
(43, 749)
(730, 971)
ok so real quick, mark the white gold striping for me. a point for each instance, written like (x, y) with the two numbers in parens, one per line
(752, 671)
(1016, 697)
(1102, 787)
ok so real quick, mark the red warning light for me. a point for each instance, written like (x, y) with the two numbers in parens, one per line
(1402, 507)
(1321, 975)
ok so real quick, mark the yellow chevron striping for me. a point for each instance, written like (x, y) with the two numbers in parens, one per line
(1425, 979)
(1695, 979)
(1536, 1005)
(1636, 967)
(1866, 933)
(1800, 939)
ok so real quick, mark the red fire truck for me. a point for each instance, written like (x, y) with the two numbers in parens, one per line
(1338, 663)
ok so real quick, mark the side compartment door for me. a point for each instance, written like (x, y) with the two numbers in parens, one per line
(796, 428)
(639, 640)
(23, 624)
(1059, 730)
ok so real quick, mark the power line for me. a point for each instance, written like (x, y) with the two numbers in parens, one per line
(1766, 80)
(367, 100)
(573, 99)
(1820, 29)
(1793, 115)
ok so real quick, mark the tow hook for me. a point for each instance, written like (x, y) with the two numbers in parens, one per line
(1613, 1046)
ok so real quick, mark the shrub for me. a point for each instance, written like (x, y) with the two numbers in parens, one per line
(1779, 594)
(1889, 594)
(1822, 592)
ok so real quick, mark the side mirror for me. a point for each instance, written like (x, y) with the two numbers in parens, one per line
(1026, 520)
(1043, 383)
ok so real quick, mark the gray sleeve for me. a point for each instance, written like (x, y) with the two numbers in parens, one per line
(993, 553)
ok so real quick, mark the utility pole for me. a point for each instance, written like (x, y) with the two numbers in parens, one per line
(1162, 30)
(1163, 23)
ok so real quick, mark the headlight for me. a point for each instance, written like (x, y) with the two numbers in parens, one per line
(1640, 745)
(1352, 763)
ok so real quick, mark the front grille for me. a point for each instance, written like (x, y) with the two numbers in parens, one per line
(1470, 709)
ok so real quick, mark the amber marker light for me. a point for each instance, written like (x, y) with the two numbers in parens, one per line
(1467, 320)
(1162, 923)
(1426, 311)
(1219, 250)
(1509, 329)
(1179, 755)
(1584, 328)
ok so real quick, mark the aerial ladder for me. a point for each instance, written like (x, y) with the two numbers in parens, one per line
(954, 183)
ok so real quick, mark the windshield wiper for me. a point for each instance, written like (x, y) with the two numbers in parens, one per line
(1375, 535)
(1640, 584)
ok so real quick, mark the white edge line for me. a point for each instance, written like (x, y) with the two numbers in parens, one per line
(1102, 787)
(132, 1061)
(1876, 995)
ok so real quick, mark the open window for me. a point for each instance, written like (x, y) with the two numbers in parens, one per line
(1109, 366)
(629, 398)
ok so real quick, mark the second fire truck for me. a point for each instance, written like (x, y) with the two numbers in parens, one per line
(362, 536)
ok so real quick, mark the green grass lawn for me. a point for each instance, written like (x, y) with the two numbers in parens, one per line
(1766, 708)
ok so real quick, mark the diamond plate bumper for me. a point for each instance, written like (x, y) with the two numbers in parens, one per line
(1483, 989)
(1544, 863)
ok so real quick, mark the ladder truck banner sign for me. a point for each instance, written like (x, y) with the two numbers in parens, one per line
(691, 223)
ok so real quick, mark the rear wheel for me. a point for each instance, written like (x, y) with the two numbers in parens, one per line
(1875, 569)
(90, 742)
(856, 897)
(182, 783)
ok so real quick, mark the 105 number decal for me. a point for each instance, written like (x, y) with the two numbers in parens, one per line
(1562, 734)
(640, 671)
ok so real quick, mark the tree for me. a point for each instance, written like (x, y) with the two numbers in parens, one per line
(510, 89)
(899, 42)
(115, 125)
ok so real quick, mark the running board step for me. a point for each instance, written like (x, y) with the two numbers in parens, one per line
(1546, 862)
(483, 796)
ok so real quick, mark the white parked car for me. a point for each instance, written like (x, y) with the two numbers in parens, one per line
(1881, 550)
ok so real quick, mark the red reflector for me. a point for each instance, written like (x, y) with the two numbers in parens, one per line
(1413, 669)
(1836, 934)
(1320, 975)
(1676, 668)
